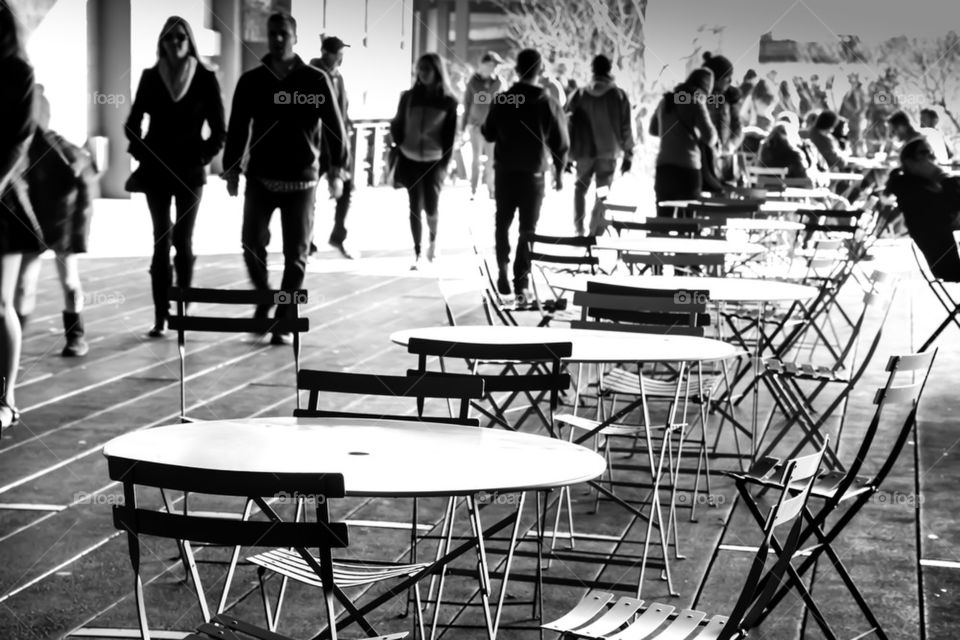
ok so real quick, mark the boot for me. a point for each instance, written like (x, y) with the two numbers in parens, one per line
(73, 331)
(503, 280)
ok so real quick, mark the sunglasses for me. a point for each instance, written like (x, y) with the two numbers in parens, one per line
(175, 37)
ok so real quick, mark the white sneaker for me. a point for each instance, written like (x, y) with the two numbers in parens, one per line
(416, 264)
(431, 251)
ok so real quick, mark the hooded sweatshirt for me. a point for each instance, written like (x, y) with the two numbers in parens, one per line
(600, 121)
(931, 215)
(525, 124)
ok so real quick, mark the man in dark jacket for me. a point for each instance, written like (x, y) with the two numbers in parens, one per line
(524, 124)
(330, 61)
(286, 111)
(481, 88)
(724, 108)
(600, 132)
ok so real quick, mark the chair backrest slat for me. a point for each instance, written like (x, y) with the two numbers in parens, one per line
(645, 300)
(526, 352)
(536, 256)
(898, 395)
(911, 362)
(674, 259)
(238, 296)
(659, 329)
(238, 325)
(229, 531)
(224, 483)
(322, 413)
(448, 385)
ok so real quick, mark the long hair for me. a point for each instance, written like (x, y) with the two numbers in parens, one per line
(168, 26)
(11, 34)
(442, 80)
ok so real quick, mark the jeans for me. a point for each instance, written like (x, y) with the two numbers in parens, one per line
(339, 232)
(480, 147)
(296, 220)
(523, 192)
(424, 195)
(177, 233)
(603, 169)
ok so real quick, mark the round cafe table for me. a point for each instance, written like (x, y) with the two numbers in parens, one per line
(677, 245)
(377, 458)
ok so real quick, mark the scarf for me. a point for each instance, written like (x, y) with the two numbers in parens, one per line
(177, 81)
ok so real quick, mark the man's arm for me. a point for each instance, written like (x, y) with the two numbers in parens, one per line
(333, 130)
(558, 140)
(20, 127)
(216, 120)
(490, 126)
(467, 103)
(238, 131)
(627, 142)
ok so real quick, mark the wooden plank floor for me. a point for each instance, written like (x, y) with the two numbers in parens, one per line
(63, 565)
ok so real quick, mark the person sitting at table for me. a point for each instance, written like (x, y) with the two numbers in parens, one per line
(903, 131)
(929, 199)
(784, 148)
(683, 124)
(929, 119)
(821, 135)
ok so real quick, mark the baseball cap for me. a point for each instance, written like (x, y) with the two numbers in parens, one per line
(492, 56)
(333, 44)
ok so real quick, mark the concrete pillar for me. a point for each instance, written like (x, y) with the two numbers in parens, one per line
(462, 29)
(108, 25)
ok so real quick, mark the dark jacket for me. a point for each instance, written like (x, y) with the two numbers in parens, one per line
(931, 215)
(477, 98)
(286, 123)
(174, 148)
(829, 149)
(724, 109)
(524, 124)
(682, 124)
(343, 103)
(600, 121)
(425, 125)
(19, 230)
(63, 184)
(777, 152)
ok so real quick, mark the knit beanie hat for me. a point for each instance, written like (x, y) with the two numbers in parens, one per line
(701, 79)
(720, 65)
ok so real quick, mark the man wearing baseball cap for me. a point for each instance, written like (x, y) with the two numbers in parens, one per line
(331, 58)
(481, 88)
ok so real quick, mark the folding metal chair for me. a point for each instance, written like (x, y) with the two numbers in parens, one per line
(451, 387)
(798, 406)
(182, 321)
(597, 616)
(320, 534)
(617, 308)
(949, 303)
(666, 227)
(531, 371)
(838, 496)
(557, 254)
(708, 264)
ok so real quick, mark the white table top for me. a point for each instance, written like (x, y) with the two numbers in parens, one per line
(378, 458)
(840, 176)
(677, 245)
(800, 192)
(588, 345)
(761, 224)
(720, 289)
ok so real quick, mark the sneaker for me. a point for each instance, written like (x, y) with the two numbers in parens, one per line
(280, 339)
(416, 264)
(431, 251)
(503, 284)
(342, 249)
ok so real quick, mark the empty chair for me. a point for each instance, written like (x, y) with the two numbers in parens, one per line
(556, 254)
(320, 533)
(289, 322)
(598, 616)
(452, 387)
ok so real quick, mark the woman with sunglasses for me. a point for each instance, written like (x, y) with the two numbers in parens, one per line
(178, 94)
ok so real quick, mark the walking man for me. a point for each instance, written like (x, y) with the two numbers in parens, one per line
(482, 86)
(527, 129)
(329, 61)
(283, 112)
(601, 130)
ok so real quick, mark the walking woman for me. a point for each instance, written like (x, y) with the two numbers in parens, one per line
(19, 231)
(179, 94)
(424, 129)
